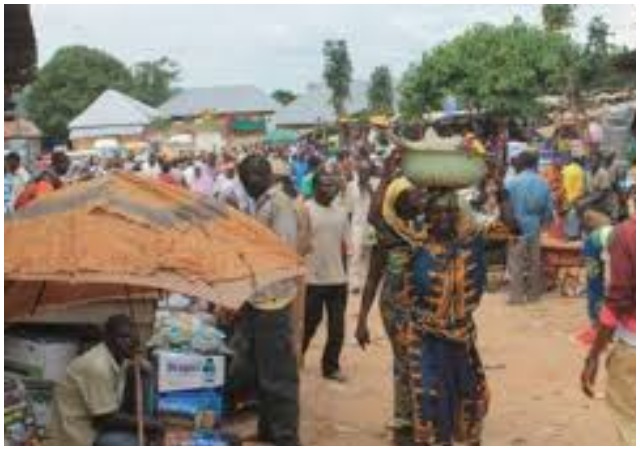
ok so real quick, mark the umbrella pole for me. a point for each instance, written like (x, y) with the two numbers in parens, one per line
(138, 380)
(139, 400)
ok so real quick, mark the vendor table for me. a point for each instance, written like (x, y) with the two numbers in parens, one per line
(563, 265)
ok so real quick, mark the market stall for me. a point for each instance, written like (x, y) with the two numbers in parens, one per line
(121, 243)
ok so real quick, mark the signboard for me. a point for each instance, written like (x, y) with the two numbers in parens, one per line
(181, 372)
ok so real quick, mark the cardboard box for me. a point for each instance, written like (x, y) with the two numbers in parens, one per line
(202, 409)
(183, 372)
(39, 358)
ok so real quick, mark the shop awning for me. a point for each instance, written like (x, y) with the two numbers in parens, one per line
(281, 137)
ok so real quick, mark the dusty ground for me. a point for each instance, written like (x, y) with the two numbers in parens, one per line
(532, 365)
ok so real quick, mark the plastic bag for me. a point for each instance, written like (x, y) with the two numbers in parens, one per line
(187, 332)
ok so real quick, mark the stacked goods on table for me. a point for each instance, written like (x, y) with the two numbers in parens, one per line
(187, 332)
(190, 354)
(19, 422)
(34, 362)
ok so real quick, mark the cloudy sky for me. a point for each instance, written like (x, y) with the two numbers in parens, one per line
(280, 46)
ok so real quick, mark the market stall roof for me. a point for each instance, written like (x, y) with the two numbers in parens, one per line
(121, 235)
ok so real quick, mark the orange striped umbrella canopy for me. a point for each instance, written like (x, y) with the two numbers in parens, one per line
(122, 235)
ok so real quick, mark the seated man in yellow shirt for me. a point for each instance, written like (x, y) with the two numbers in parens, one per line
(87, 403)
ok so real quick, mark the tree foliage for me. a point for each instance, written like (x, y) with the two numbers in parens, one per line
(500, 70)
(77, 75)
(380, 92)
(69, 82)
(598, 33)
(283, 96)
(337, 73)
(558, 17)
(597, 66)
(594, 62)
(152, 81)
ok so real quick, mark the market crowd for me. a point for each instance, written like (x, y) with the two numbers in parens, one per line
(363, 228)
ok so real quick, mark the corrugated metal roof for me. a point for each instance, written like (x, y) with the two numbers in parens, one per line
(222, 99)
(314, 106)
(113, 109)
(192, 246)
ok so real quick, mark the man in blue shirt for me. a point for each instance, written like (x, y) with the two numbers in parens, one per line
(533, 208)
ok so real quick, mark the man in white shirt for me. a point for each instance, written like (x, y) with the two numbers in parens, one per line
(229, 189)
(363, 234)
(188, 173)
(327, 284)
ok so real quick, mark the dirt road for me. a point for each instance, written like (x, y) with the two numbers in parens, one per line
(532, 365)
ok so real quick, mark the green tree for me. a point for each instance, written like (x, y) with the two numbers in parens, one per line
(69, 82)
(283, 96)
(597, 65)
(152, 81)
(380, 92)
(337, 73)
(594, 62)
(598, 37)
(499, 70)
(418, 92)
(558, 17)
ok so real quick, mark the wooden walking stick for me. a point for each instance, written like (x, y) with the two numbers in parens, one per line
(138, 378)
(139, 400)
